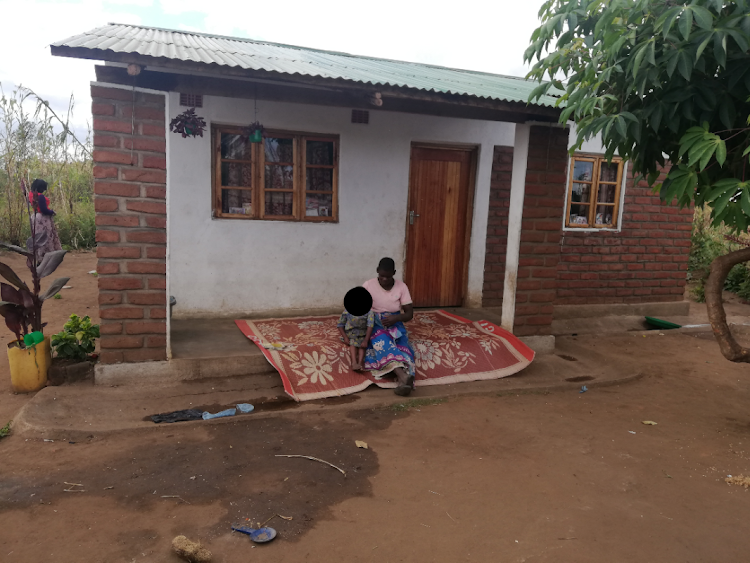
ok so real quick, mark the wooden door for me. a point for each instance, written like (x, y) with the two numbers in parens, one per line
(437, 226)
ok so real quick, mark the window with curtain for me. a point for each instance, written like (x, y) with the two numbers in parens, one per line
(593, 192)
(287, 176)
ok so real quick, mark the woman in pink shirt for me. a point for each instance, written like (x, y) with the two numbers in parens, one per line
(389, 349)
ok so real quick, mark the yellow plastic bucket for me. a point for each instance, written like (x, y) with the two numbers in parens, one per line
(29, 366)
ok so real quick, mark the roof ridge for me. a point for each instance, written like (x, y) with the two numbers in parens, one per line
(302, 48)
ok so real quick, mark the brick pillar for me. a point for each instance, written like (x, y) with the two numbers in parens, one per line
(543, 208)
(497, 227)
(130, 201)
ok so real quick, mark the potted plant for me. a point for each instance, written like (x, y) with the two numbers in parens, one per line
(21, 307)
(254, 132)
(188, 124)
(74, 347)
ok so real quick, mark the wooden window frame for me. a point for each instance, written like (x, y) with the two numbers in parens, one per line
(595, 183)
(258, 189)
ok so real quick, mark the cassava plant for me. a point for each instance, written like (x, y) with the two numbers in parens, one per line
(21, 306)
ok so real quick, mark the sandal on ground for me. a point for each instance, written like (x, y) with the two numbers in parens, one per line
(406, 389)
(402, 390)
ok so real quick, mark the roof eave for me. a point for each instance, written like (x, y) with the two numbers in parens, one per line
(527, 111)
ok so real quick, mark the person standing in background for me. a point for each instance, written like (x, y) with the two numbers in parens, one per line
(43, 221)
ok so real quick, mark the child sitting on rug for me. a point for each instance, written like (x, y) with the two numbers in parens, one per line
(356, 324)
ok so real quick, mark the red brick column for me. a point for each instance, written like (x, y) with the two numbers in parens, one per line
(497, 227)
(130, 200)
(540, 230)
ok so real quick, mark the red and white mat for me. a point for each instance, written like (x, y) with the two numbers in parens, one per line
(314, 363)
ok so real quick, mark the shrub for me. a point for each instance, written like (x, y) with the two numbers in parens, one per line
(76, 340)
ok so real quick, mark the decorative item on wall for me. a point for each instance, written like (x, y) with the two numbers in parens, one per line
(188, 124)
(254, 132)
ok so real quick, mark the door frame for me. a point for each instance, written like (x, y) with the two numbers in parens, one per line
(473, 151)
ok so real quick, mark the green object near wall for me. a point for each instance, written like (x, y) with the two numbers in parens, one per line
(659, 323)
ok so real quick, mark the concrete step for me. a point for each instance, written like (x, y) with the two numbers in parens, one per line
(182, 369)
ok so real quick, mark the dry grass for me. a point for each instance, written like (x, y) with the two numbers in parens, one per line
(740, 480)
(191, 551)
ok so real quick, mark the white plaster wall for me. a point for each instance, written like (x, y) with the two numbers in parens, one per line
(225, 267)
(593, 145)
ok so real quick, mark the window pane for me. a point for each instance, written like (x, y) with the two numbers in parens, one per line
(235, 147)
(579, 214)
(608, 172)
(607, 193)
(279, 177)
(320, 179)
(581, 193)
(279, 203)
(604, 214)
(583, 170)
(237, 201)
(318, 205)
(279, 150)
(234, 174)
(320, 152)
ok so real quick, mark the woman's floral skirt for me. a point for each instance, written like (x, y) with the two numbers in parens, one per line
(389, 349)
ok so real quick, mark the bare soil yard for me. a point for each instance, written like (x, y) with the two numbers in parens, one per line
(561, 477)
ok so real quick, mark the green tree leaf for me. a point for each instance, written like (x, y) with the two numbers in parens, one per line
(667, 19)
(721, 152)
(703, 17)
(686, 22)
(684, 65)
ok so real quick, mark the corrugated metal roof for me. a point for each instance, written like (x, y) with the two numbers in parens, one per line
(288, 59)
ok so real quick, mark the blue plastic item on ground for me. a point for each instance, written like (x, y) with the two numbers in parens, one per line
(244, 408)
(261, 535)
(583, 389)
(222, 414)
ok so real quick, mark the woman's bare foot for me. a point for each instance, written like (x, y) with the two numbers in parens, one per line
(356, 366)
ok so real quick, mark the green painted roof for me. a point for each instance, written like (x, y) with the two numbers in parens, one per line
(287, 59)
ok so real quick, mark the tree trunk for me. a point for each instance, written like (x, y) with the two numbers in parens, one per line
(720, 267)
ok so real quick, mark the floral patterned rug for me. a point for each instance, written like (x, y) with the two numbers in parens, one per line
(314, 363)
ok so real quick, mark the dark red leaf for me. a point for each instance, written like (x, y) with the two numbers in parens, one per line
(28, 298)
(13, 322)
(10, 294)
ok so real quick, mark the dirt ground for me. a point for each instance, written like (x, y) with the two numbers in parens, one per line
(560, 477)
(80, 299)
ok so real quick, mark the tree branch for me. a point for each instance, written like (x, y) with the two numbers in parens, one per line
(720, 268)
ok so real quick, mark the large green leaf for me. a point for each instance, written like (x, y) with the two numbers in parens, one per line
(667, 19)
(702, 16)
(686, 23)
(721, 153)
(685, 65)
(720, 48)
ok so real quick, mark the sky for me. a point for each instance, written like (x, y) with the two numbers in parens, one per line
(488, 36)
